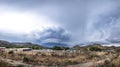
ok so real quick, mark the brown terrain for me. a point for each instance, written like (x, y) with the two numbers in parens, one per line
(87, 56)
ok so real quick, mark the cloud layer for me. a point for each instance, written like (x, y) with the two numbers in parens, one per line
(64, 21)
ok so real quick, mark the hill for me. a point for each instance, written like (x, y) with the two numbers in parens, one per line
(17, 44)
(52, 44)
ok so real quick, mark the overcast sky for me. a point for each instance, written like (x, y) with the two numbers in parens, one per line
(64, 21)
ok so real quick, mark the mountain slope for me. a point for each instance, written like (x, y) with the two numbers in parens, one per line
(17, 44)
(51, 44)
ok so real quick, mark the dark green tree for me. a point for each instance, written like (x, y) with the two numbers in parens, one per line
(57, 48)
(35, 47)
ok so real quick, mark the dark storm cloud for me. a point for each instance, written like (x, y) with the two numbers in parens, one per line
(85, 20)
(55, 34)
(50, 35)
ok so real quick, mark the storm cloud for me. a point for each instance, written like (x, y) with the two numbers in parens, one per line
(50, 35)
(62, 21)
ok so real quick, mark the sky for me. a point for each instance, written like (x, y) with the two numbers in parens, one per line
(60, 21)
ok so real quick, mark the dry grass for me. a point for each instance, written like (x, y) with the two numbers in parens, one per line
(46, 59)
(62, 59)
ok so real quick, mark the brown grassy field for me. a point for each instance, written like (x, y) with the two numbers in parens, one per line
(55, 59)
(59, 58)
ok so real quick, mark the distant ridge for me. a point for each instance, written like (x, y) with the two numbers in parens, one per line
(17, 44)
(51, 44)
(91, 43)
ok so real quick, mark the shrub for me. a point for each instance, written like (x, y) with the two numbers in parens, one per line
(91, 56)
(20, 66)
(94, 48)
(11, 52)
(26, 59)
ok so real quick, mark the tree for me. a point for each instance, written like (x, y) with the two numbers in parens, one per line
(57, 48)
(19, 46)
(35, 47)
(65, 48)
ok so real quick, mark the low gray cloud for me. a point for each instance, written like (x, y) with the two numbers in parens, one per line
(50, 35)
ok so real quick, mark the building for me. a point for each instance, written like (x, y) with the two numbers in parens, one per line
(24, 49)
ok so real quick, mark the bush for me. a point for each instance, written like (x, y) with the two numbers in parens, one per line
(26, 59)
(94, 48)
(11, 52)
(20, 66)
(91, 56)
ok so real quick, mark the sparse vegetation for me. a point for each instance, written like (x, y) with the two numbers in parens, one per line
(61, 56)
